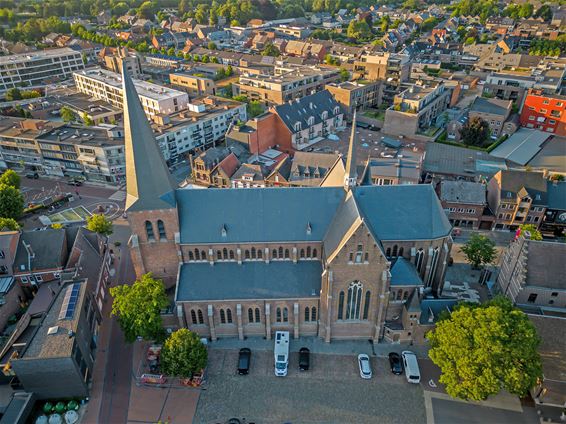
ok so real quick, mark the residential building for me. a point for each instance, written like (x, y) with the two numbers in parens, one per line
(195, 85)
(297, 32)
(287, 84)
(35, 69)
(249, 176)
(545, 112)
(516, 198)
(324, 273)
(106, 85)
(122, 55)
(494, 111)
(205, 165)
(309, 169)
(392, 68)
(355, 95)
(464, 201)
(554, 223)
(508, 86)
(262, 133)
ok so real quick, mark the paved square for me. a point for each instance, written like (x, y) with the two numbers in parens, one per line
(331, 392)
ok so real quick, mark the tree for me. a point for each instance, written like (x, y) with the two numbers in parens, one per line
(138, 307)
(344, 74)
(13, 94)
(11, 202)
(270, 50)
(146, 10)
(482, 349)
(531, 232)
(229, 71)
(255, 108)
(9, 177)
(67, 114)
(99, 224)
(183, 354)
(9, 224)
(212, 45)
(358, 30)
(475, 132)
(479, 250)
(87, 119)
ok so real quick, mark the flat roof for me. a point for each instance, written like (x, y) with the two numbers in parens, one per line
(37, 55)
(522, 146)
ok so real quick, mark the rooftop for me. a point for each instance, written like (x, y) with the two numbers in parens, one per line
(545, 264)
(37, 55)
(492, 106)
(463, 192)
(522, 146)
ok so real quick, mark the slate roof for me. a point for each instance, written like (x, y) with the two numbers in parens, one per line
(403, 273)
(404, 212)
(435, 306)
(250, 280)
(309, 168)
(47, 246)
(556, 192)
(463, 192)
(516, 182)
(346, 217)
(492, 106)
(553, 345)
(300, 110)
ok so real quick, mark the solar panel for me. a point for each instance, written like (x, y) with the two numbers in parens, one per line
(70, 301)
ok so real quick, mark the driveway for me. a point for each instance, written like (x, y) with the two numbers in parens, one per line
(331, 392)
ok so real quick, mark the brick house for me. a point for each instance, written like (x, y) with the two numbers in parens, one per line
(465, 202)
(237, 271)
(494, 111)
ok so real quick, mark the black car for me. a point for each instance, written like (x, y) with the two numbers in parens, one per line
(32, 175)
(396, 363)
(75, 182)
(304, 359)
(244, 361)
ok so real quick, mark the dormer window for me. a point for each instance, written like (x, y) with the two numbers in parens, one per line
(224, 230)
(309, 228)
(336, 110)
(297, 126)
(324, 115)
(311, 121)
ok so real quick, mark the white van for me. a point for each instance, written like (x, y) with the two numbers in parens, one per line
(411, 366)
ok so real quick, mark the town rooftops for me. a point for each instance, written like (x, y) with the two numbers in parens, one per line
(403, 273)
(302, 109)
(39, 250)
(37, 55)
(491, 106)
(466, 192)
(522, 146)
(545, 264)
(556, 191)
(513, 183)
(309, 168)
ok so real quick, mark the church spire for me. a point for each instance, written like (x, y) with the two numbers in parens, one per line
(351, 175)
(149, 185)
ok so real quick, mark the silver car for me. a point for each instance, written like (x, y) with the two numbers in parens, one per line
(365, 367)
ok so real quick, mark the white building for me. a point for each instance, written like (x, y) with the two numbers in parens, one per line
(106, 85)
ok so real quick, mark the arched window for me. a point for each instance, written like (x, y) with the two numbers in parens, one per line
(308, 252)
(314, 253)
(257, 315)
(197, 254)
(222, 316)
(399, 294)
(231, 254)
(191, 255)
(200, 317)
(285, 314)
(253, 253)
(260, 254)
(149, 230)
(341, 305)
(307, 314)
(193, 316)
(400, 251)
(280, 252)
(224, 253)
(302, 253)
(419, 260)
(247, 254)
(388, 252)
(286, 253)
(313, 313)
(274, 254)
(250, 315)
(394, 253)
(161, 229)
(354, 300)
(405, 295)
(433, 265)
(278, 315)
(219, 255)
(203, 255)
(229, 315)
(366, 305)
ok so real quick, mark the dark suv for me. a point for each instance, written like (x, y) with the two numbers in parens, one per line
(304, 359)
(244, 361)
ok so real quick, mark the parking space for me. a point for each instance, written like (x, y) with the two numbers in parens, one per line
(330, 392)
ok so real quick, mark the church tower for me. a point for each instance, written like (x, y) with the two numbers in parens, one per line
(150, 193)
(351, 174)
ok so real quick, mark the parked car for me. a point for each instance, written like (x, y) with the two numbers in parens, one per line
(411, 365)
(304, 359)
(244, 361)
(32, 175)
(365, 367)
(395, 363)
(75, 182)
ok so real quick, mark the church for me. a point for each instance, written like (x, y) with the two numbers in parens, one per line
(346, 262)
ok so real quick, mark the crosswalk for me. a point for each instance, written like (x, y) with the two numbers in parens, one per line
(118, 196)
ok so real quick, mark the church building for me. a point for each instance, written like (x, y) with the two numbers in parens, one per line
(347, 262)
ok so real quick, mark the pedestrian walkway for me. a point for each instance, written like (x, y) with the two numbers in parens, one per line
(118, 196)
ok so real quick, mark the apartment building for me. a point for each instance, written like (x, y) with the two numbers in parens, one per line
(494, 111)
(516, 198)
(35, 69)
(106, 85)
(55, 148)
(355, 95)
(464, 201)
(194, 85)
(545, 112)
(415, 110)
(508, 86)
(114, 60)
(393, 69)
(285, 85)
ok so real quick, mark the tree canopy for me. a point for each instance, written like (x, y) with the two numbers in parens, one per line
(482, 349)
(475, 132)
(479, 250)
(138, 307)
(270, 50)
(11, 178)
(359, 30)
(531, 232)
(67, 114)
(11, 202)
(183, 354)
(99, 224)
(9, 224)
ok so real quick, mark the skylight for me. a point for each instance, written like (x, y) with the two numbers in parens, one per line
(70, 301)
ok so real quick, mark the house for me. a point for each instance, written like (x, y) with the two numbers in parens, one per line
(545, 112)
(222, 175)
(249, 175)
(464, 201)
(554, 223)
(261, 133)
(205, 165)
(309, 169)
(494, 111)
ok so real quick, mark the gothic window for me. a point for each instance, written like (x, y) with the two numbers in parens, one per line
(285, 314)
(302, 253)
(193, 316)
(197, 254)
(394, 253)
(308, 252)
(366, 257)
(388, 252)
(257, 315)
(250, 315)
(191, 255)
(149, 230)
(307, 314)
(280, 253)
(203, 255)
(419, 259)
(200, 317)
(354, 300)
(433, 265)
(278, 315)
(286, 253)
(260, 254)
(247, 254)
(313, 313)
(399, 294)
(314, 253)
(274, 254)
(222, 316)
(359, 254)
(405, 295)
(253, 253)
(341, 305)
(225, 253)
(219, 254)
(400, 251)
(161, 229)
(366, 305)
(231, 254)
(229, 315)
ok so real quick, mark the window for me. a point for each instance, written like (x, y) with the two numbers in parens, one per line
(193, 316)
(388, 252)
(278, 315)
(225, 253)
(197, 255)
(200, 317)
(219, 255)
(554, 294)
(359, 254)
(340, 305)
(222, 316)
(405, 295)
(307, 314)
(257, 315)
(149, 230)
(260, 254)
(286, 253)
(400, 251)
(280, 252)
(366, 305)
(394, 253)
(308, 252)
(274, 253)
(161, 230)
(253, 253)
(229, 315)
(250, 315)
(285, 315)
(203, 255)
(314, 253)
(231, 254)
(247, 254)
(302, 253)
(191, 255)
(532, 298)
(354, 300)
(419, 260)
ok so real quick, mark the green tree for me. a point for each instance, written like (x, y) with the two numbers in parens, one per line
(99, 224)
(229, 71)
(9, 224)
(270, 50)
(212, 45)
(146, 10)
(344, 74)
(10, 178)
(532, 230)
(67, 114)
(358, 30)
(11, 202)
(482, 349)
(13, 94)
(171, 51)
(255, 108)
(87, 119)
(138, 307)
(183, 354)
(479, 250)
(475, 132)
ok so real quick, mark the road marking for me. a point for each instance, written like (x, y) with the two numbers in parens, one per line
(119, 195)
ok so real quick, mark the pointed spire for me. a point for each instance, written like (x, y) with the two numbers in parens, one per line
(351, 175)
(149, 185)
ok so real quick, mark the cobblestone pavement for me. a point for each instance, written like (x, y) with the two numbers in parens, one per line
(331, 392)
